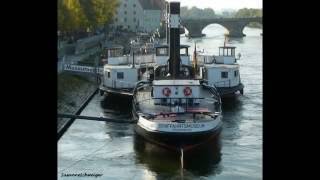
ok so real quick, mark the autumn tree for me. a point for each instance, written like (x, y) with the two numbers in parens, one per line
(196, 13)
(80, 15)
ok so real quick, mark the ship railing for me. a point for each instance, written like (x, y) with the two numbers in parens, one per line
(141, 84)
(205, 59)
(142, 59)
(213, 90)
(184, 103)
(168, 109)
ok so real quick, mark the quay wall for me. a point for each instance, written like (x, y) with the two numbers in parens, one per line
(73, 90)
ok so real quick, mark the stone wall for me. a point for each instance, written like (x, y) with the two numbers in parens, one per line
(73, 90)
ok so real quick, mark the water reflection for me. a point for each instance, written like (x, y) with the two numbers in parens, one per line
(117, 107)
(232, 104)
(116, 104)
(163, 163)
(232, 112)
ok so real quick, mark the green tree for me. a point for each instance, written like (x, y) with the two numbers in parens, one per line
(196, 13)
(70, 15)
(245, 12)
(80, 15)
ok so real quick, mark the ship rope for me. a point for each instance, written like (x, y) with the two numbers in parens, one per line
(181, 162)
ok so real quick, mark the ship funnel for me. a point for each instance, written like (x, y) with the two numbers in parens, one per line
(174, 39)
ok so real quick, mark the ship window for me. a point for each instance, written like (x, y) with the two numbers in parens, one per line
(224, 74)
(162, 52)
(120, 75)
(108, 74)
(184, 51)
(235, 73)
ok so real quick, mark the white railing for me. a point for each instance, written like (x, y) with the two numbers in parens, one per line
(205, 59)
(77, 68)
(142, 59)
(138, 59)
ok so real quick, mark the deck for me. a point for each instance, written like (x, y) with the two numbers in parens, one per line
(205, 109)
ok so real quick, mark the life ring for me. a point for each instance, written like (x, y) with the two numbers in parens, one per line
(187, 91)
(166, 91)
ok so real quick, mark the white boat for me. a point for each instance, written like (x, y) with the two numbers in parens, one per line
(175, 110)
(122, 72)
(222, 71)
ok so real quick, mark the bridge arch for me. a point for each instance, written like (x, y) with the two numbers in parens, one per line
(217, 28)
(253, 31)
(234, 26)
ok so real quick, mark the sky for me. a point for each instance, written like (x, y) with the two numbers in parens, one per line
(221, 4)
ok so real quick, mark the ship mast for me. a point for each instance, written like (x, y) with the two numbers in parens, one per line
(195, 63)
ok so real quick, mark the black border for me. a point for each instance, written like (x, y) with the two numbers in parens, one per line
(32, 78)
(30, 112)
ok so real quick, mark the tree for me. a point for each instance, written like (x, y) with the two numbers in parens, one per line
(196, 13)
(245, 12)
(80, 15)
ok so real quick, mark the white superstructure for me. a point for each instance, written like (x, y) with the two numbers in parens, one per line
(222, 71)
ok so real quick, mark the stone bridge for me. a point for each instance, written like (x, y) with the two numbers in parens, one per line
(234, 26)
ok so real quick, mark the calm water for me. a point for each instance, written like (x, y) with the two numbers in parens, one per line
(114, 151)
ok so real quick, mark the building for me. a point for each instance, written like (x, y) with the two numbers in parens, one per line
(128, 15)
(139, 15)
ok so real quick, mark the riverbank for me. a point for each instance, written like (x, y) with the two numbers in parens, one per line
(73, 90)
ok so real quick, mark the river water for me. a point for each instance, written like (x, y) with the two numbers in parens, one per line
(113, 151)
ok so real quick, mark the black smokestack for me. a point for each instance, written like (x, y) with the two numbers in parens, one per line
(174, 39)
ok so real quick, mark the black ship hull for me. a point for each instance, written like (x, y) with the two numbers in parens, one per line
(176, 141)
(230, 92)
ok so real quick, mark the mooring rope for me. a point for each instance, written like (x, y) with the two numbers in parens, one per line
(181, 162)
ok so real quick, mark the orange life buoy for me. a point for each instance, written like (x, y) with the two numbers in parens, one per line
(166, 91)
(187, 91)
